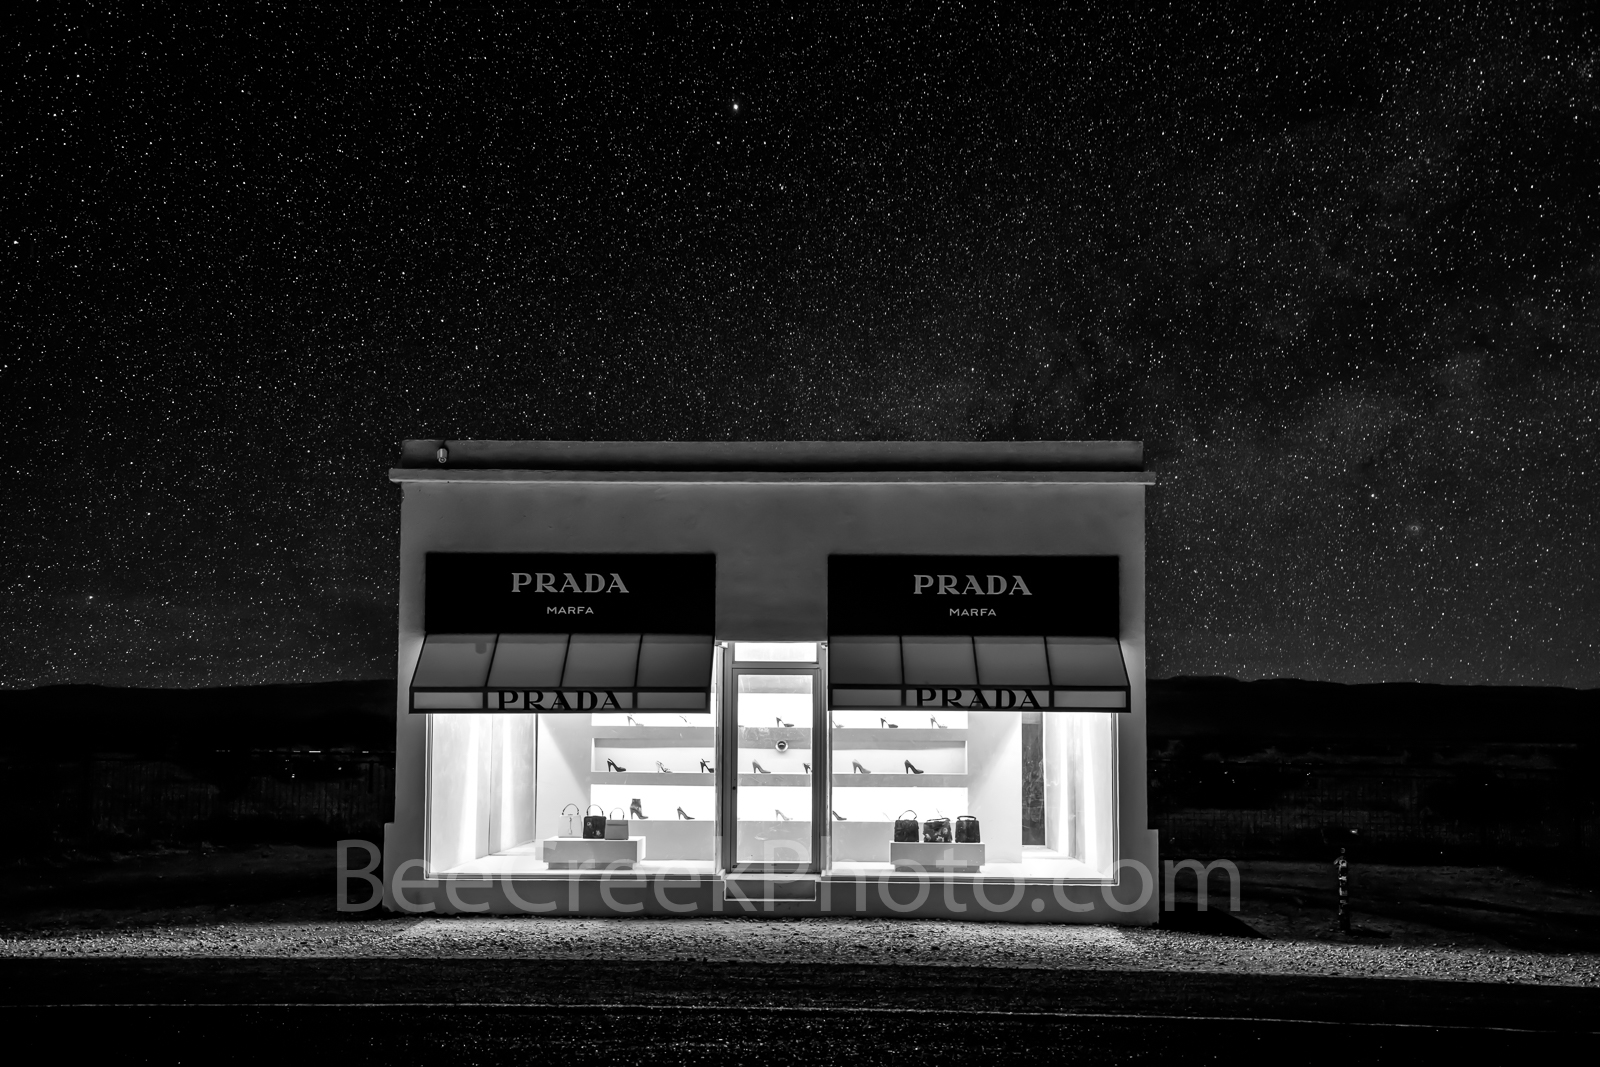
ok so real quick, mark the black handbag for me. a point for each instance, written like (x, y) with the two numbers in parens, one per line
(967, 829)
(906, 829)
(936, 831)
(594, 826)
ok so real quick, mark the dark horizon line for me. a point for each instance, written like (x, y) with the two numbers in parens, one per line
(1177, 678)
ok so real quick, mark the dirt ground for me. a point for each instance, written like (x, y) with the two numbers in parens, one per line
(1468, 907)
(174, 952)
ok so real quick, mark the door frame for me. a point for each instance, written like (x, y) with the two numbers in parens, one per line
(728, 759)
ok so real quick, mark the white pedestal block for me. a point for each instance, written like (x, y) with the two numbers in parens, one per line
(967, 857)
(578, 853)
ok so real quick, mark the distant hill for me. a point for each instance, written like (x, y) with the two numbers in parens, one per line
(95, 718)
(1390, 711)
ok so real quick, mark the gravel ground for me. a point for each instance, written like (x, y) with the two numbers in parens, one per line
(800, 942)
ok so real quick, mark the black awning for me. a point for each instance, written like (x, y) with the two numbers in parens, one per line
(562, 672)
(977, 673)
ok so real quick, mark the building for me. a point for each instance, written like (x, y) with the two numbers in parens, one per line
(750, 671)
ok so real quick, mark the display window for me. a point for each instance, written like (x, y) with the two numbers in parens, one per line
(592, 747)
(775, 698)
(526, 793)
(1028, 794)
(972, 715)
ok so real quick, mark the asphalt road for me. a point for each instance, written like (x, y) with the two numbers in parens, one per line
(493, 1011)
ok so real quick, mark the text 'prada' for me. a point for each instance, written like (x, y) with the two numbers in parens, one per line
(992, 585)
(544, 582)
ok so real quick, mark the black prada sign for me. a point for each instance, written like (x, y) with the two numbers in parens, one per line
(1064, 596)
(471, 592)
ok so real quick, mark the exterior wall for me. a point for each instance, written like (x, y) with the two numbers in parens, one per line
(772, 539)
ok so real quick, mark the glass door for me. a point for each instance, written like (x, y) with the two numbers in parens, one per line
(775, 708)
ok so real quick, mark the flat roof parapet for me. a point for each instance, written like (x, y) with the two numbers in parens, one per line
(797, 456)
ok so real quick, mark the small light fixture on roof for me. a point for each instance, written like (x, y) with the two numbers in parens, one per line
(443, 454)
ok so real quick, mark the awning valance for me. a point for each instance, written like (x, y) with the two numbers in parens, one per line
(977, 673)
(562, 672)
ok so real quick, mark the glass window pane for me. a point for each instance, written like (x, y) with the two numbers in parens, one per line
(938, 661)
(674, 660)
(1012, 662)
(507, 792)
(1040, 788)
(450, 660)
(775, 652)
(1095, 661)
(864, 661)
(773, 799)
(528, 661)
(602, 661)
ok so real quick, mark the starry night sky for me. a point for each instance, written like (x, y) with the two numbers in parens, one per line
(1337, 269)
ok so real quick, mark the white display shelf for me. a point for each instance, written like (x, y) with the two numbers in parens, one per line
(700, 735)
(652, 778)
(579, 853)
(849, 737)
(775, 779)
(766, 735)
(884, 781)
(937, 856)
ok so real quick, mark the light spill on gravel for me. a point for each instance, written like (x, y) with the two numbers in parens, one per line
(861, 941)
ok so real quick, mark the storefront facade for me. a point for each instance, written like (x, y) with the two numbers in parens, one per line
(846, 678)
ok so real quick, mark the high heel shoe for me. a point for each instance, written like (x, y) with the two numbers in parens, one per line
(841, 818)
(887, 725)
(807, 766)
(684, 815)
(782, 816)
(912, 770)
(635, 811)
(937, 725)
(781, 722)
(611, 765)
(705, 765)
(857, 768)
(759, 769)
(662, 769)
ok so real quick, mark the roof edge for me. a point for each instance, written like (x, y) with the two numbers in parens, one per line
(795, 456)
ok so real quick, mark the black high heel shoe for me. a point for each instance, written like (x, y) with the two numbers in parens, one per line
(841, 818)
(857, 768)
(887, 725)
(683, 815)
(782, 816)
(662, 769)
(937, 725)
(759, 769)
(705, 765)
(781, 722)
(611, 765)
(912, 770)
(807, 766)
(635, 811)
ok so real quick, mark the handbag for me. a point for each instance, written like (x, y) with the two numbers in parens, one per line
(967, 829)
(594, 826)
(570, 821)
(616, 829)
(906, 829)
(937, 831)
